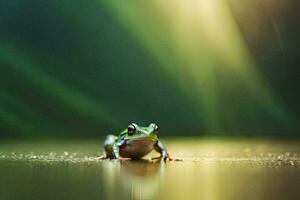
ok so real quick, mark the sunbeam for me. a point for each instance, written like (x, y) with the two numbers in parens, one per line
(199, 44)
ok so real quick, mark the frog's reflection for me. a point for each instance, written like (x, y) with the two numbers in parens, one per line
(140, 167)
(134, 179)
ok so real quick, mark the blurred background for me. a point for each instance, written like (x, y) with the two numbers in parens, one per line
(197, 68)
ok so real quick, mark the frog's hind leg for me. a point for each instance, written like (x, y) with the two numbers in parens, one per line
(108, 147)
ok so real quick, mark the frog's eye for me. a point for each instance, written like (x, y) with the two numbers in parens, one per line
(156, 128)
(130, 129)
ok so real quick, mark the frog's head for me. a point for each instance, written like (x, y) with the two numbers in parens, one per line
(136, 132)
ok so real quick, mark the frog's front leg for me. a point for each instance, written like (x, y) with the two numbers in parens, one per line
(108, 147)
(163, 152)
(116, 150)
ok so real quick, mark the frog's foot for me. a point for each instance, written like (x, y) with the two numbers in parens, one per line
(161, 157)
(123, 159)
(156, 158)
(103, 157)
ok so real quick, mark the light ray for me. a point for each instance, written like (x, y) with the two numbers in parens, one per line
(194, 40)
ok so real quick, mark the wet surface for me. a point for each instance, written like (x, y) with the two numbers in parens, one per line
(211, 169)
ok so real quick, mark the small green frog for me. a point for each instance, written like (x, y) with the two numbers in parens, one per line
(134, 142)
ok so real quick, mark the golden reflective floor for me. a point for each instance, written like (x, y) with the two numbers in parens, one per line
(211, 169)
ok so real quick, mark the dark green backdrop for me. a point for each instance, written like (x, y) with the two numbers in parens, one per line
(72, 68)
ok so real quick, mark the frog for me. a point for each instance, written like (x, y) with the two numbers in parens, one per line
(135, 142)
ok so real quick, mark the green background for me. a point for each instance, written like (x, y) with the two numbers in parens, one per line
(88, 68)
